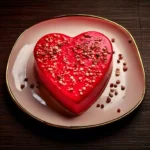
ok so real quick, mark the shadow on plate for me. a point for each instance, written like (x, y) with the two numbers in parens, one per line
(66, 135)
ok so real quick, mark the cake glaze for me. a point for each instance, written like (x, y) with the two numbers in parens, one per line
(74, 70)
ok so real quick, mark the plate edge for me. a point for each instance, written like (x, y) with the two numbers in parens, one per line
(88, 126)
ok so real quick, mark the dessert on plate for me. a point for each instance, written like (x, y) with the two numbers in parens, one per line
(74, 70)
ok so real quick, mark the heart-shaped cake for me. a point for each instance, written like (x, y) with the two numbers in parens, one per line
(74, 70)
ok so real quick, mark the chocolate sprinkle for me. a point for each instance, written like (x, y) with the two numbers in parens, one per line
(125, 68)
(98, 105)
(108, 100)
(130, 41)
(102, 106)
(26, 79)
(124, 63)
(32, 86)
(118, 110)
(97, 55)
(22, 86)
(115, 85)
(110, 94)
(116, 92)
(87, 36)
(112, 40)
(112, 90)
(118, 82)
(122, 87)
(111, 85)
(118, 61)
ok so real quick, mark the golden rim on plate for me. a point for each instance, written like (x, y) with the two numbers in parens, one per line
(88, 126)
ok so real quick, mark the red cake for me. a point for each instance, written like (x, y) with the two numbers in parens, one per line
(74, 70)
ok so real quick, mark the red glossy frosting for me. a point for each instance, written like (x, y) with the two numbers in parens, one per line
(74, 70)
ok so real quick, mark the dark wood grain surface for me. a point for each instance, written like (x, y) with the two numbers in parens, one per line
(19, 131)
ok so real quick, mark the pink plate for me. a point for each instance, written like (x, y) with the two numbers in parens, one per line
(40, 105)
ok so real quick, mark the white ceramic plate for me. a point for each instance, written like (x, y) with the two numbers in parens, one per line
(39, 104)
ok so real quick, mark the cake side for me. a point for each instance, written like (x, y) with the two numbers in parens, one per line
(74, 70)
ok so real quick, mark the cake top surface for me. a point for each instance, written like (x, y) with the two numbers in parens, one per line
(74, 64)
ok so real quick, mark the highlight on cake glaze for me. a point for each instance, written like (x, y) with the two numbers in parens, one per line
(74, 70)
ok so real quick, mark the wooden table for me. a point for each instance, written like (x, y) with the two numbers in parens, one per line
(19, 131)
